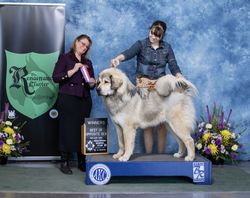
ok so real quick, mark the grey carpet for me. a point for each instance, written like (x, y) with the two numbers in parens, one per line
(50, 179)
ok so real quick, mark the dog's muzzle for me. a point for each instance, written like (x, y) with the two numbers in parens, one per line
(98, 91)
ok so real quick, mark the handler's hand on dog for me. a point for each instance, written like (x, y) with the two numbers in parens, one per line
(115, 62)
(179, 75)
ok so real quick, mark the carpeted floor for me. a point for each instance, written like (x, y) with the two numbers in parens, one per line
(226, 178)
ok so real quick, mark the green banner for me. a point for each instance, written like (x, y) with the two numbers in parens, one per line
(29, 85)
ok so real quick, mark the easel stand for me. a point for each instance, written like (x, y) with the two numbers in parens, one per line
(100, 168)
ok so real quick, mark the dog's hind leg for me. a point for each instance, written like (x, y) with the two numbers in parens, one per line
(120, 142)
(181, 148)
(189, 143)
(183, 134)
(129, 140)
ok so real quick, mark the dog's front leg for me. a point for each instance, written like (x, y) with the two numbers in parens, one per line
(129, 140)
(120, 142)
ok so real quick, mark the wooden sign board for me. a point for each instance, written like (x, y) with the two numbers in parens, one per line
(95, 135)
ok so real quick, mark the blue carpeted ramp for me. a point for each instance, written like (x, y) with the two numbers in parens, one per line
(101, 168)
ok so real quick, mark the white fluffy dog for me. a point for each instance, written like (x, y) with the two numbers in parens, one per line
(130, 108)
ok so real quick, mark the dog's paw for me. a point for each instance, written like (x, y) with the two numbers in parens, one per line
(116, 156)
(178, 155)
(124, 158)
(189, 158)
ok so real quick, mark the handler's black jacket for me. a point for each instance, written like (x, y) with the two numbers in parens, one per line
(74, 85)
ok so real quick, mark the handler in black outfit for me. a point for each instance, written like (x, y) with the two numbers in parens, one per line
(74, 100)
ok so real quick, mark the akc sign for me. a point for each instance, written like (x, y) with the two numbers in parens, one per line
(99, 174)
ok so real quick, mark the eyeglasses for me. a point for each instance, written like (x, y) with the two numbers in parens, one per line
(84, 44)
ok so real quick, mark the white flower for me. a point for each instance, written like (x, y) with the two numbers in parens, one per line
(234, 147)
(214, 134)
(9, 123)
(13, 148)
(233, 135)
(15, 127)
(9, 141)
(201, 125)
(209, 126)
(199, 146)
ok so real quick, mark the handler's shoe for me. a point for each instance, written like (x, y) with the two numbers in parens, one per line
(81, 167)
(65, 168)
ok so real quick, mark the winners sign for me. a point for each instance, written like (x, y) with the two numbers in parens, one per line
(95, 136)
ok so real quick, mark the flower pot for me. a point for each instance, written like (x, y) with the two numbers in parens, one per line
(216, 162)
(3, 160)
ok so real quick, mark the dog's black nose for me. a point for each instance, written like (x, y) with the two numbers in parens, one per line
(98, 91)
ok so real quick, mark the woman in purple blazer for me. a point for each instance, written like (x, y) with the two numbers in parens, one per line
(74, 99)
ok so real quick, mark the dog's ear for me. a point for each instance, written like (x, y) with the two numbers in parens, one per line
(115, 82)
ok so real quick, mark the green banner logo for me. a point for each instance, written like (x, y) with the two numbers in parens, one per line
(29, 85)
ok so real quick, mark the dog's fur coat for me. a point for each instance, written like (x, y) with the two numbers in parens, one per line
(130, 108)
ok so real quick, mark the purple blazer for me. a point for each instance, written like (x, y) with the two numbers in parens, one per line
(74, 85)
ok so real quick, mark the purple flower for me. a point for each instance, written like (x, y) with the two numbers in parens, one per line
(201, 130)
(1, 143)
(234, 156)
(208, 151)
(218, 141)
(229, 116)
(221, 124)
(18, 137)
(198, 135)
(25, 149)
(1, 116)
(6, 108)
(209, 115)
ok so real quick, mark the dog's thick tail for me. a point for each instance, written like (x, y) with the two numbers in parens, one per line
(186, 86)
(168, 84)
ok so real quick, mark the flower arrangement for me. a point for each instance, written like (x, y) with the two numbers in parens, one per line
(11, 141)
(216, 139)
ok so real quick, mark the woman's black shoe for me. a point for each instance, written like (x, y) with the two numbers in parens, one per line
(81, 167)
(81, 162)
(65, 168)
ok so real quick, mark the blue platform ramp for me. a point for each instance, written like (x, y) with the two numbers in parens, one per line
(101, 168)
